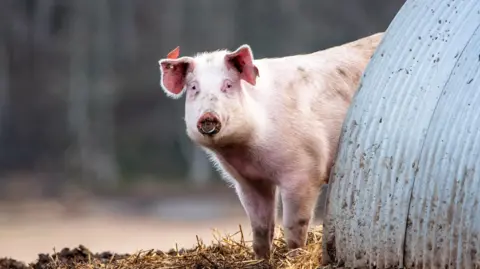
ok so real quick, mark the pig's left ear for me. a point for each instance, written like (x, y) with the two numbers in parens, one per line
(242, 61)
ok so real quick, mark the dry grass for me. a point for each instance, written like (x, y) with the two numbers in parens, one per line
(226, 251)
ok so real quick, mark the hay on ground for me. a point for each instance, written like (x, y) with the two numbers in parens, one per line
(226, 251)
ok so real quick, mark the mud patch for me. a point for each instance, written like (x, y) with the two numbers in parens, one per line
(66, 258)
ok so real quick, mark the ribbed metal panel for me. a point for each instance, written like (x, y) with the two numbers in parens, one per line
(405, 187)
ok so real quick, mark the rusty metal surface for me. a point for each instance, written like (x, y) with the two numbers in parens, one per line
(405, 190)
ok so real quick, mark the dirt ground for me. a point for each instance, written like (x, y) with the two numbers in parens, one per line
(124, 225)
(23, 241)
(229, 251)
(24, 237)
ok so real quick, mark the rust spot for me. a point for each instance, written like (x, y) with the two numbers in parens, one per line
(352, 200)
(473, 253)
(331, 248)
(377, 214)
(450, 210)
(362, 161)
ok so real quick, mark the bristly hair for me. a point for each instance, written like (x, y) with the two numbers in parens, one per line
(200, 54)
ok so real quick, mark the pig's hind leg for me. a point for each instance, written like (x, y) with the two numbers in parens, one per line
(299, 197)
(259, 202)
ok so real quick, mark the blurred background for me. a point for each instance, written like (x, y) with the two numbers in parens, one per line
(91, 150)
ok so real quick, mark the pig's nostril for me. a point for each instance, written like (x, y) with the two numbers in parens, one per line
(208, 124)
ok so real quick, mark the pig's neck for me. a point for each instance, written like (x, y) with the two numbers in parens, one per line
(242, 157)
(243, 162)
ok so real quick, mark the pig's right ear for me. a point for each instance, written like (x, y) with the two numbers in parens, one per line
(173, 73)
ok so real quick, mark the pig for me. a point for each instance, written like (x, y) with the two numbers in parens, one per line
(270, 126)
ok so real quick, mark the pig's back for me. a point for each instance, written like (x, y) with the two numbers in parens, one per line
(325, 70)
(322, 82)
(306, 97)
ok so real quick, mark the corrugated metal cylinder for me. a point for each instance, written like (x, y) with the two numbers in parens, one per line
(405, 189)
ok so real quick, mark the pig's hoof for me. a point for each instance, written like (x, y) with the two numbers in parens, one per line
(261, 253)
(292, 254)
(261, 257)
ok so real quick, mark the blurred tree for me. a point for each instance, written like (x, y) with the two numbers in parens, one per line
(103, 92)
(4, 70)
(92, 93)
(124, 30)
(79, 92)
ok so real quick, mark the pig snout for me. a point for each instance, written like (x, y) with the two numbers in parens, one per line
(209, 124)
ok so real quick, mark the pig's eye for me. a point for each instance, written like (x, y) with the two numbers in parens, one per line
(227, 84)
(193, 86)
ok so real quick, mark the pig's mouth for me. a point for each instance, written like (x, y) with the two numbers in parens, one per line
(209, 124)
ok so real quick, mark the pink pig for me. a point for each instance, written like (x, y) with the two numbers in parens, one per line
(270, 124)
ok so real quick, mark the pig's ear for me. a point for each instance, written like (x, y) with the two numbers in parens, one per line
(173, 73)
(242, 61)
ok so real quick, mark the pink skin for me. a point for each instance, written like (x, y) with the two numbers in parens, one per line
(278, 132)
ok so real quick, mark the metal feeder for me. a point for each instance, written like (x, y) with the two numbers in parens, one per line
(405, 189)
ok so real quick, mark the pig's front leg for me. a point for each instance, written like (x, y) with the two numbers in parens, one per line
(299, 196)
(259, 202)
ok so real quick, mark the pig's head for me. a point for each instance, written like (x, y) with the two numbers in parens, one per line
(216, 112)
